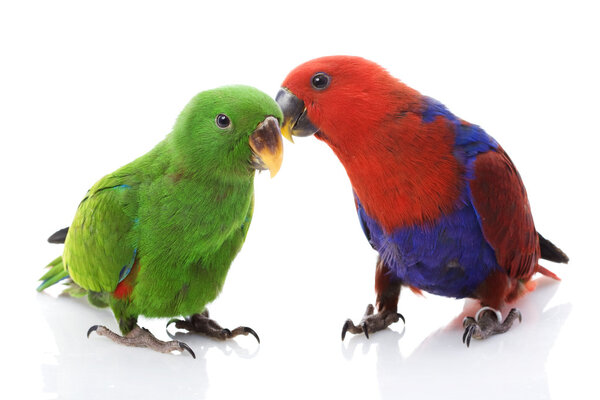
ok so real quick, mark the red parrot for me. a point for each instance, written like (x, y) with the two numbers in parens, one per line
(437, 197)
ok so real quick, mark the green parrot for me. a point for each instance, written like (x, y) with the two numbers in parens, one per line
(157, 236)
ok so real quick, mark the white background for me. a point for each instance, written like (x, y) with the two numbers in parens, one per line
(87, 87)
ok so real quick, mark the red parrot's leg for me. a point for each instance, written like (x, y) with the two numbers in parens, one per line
(387, 287)
(201, 323)
(492, 294)
(487, 322)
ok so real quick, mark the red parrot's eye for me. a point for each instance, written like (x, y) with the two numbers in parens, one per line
(222, 121)
(320, 80)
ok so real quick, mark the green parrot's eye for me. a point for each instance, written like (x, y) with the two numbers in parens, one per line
(320, 80)
(222, 121)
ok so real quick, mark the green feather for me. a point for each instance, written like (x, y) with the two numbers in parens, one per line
(55, 274)
(181, 212)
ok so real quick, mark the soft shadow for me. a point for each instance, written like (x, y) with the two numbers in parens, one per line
(96, 367)
(227, 347)
(511, 365)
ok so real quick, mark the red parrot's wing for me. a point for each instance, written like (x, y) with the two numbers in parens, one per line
(499, 197)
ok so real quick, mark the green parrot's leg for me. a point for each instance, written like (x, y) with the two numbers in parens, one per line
(201, 323)
(134, 335)
(141, 337)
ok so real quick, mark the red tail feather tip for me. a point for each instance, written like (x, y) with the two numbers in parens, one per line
(416, 291)
(544, 271)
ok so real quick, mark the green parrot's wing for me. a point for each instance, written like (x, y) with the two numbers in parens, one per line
(101, 245)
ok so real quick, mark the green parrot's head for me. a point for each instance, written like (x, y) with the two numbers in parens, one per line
(232, 130)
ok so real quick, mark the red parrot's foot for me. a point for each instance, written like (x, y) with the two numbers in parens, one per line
(488, 322)
(372, 322)
(200, 323)
(141, 337)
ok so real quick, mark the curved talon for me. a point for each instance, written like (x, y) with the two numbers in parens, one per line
(518, 312)
(226, 332)
(486, 308)
(92, 329)
(172, 320)
(402, 318)
(252, 332)
(184, 346)
(471, 329)
(365, 329)
(345, 328)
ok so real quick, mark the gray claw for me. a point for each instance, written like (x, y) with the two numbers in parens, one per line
(402, 318)
(520, 316)
(470, 334)
(365, 329)
(184, 346)
(92, 329)
(251, 331)
(345, 328)
(172, 320)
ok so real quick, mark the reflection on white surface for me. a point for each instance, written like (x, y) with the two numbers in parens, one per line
(88, 367)
(81, 367)
(505, 366)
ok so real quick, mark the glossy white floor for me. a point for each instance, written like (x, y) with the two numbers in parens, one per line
(85, 90)
(301, 353)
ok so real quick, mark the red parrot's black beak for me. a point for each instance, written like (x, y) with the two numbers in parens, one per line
(295, 119)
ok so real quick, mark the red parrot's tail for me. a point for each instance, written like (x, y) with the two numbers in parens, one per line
(550, 252)
(524, 287)
(544, 271)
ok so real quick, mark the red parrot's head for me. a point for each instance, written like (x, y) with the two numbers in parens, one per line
(342, 99)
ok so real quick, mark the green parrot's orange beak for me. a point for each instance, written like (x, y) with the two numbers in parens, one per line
(295, 119)
(267, 146)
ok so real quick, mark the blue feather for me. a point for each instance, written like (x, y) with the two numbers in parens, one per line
(127, 268)
(449, 257)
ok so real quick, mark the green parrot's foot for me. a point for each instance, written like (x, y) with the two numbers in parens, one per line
(372, 322)
(488, 322)
(201, 323)
(141, 337)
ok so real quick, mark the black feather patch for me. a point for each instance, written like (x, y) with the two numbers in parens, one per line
(550, 252)
(59, 236)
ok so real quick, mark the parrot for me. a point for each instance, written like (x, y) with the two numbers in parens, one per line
(157, 236)
(437, 197)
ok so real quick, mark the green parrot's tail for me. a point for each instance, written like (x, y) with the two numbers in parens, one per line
(56, 273)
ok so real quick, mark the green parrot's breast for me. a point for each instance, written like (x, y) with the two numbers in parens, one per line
(185, 250)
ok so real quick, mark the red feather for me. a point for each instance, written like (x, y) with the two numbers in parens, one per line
(500, 199)
(125, 287)
(401, 176)
(405, 173)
